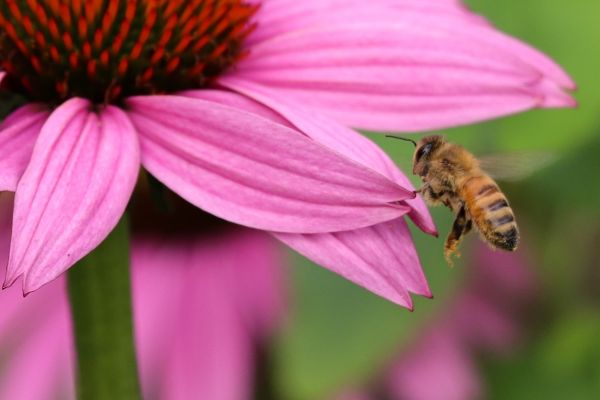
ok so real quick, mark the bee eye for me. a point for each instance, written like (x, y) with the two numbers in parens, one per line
(423, 151)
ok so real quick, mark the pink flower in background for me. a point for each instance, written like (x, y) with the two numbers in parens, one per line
(201, 307)
(439, 363)
(35, 334)
(37, 344)
(245, 111)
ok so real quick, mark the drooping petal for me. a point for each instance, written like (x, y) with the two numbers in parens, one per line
(499, 273)
(484, 324)
(39, 366)
(6, 208)
(36, 342)
(354, 394)
(81, 174)
(501, 284)
(380, 258)
(437, 357)
(191, 344)
(396, 66)
(15, 312)
(193, 302)
(255, 172)
(258, 279)
(220, 338)
(194, 310)
(334, 136)
(18, 133)
(483, 317)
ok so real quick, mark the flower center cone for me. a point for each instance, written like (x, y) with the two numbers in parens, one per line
(106, 50)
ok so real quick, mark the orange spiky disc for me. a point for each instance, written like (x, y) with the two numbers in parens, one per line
(105, 50)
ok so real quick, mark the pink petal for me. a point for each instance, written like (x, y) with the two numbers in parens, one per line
(35, 333)
(80, 177)
(258, 276)
(499, 273)
(198, 303)
(39, 365)
(440, 358)
(238, 101)
(395, 254)
(6, 208)
(191, 317)
(18, 133)
(398, 67)
(17, 312)
(217, 339)
(336, 137)
(380, 258)
(252, 171)
(485, 324)
(282, 16)
(354, 394)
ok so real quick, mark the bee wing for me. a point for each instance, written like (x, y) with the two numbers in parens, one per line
(517, 165)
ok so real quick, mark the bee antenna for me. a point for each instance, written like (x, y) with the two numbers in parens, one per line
(401, 138)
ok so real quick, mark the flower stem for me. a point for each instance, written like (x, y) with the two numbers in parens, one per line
(99, 293)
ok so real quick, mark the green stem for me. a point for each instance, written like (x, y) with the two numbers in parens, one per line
(99, 293)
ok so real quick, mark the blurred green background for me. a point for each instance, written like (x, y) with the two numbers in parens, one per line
(339, 335)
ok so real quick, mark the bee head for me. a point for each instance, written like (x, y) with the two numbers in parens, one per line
(426, 147)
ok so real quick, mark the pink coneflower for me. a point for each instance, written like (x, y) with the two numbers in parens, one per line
(242, 108)
(202, 308)
(198, 319)
(483, 318)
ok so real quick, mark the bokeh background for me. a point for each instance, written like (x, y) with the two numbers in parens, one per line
(339, 337)
(523, 326)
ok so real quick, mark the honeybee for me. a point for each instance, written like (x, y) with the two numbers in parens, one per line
(453, 177)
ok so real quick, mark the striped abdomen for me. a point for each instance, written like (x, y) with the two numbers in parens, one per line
(490, 212)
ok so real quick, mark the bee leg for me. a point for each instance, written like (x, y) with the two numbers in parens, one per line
(432, 198)
(462, 225)
(422, 189)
